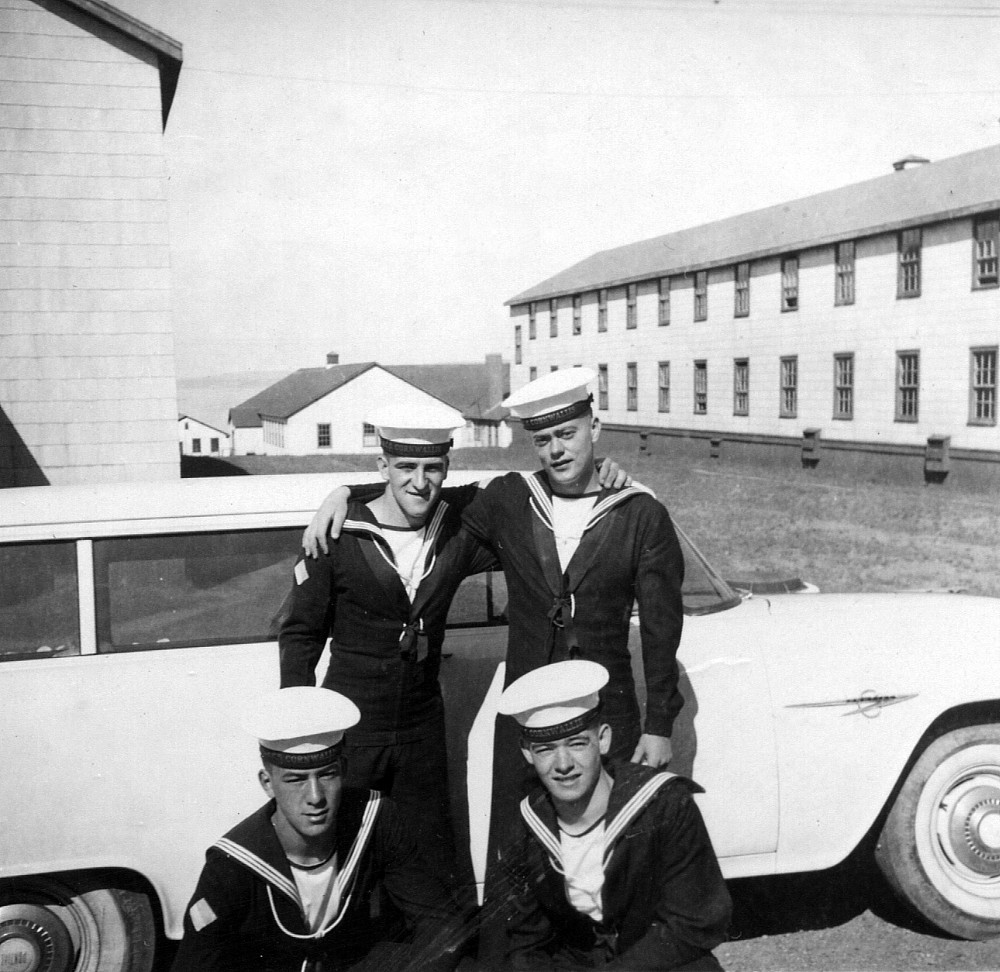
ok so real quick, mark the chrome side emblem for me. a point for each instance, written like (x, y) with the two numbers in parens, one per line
(869, 703)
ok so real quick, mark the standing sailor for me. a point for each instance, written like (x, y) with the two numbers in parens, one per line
(291, 887)
(381, 594)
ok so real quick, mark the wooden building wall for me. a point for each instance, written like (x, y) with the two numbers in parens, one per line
(87, 382)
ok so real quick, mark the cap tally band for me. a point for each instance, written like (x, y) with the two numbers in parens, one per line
(302, 761)
(564, 414)
(562, 729)
(414, 450)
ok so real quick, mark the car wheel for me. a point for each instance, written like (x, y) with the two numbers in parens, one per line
(940, 845)
(52, 925)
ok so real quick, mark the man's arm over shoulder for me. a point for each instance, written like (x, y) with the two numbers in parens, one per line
(307, 615)
(659, 576)
(484, 513)
(693, 908)
(214, 917)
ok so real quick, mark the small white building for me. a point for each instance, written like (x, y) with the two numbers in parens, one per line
(201, 439)
(326, 410)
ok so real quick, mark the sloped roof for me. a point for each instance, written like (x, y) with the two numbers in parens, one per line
(191, 418)
(954, 187)
(294, 392)
(169, 52)
(465, 387)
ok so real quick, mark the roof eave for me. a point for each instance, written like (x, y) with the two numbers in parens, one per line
(792, 246)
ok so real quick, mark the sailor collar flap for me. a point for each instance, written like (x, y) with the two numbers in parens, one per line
(255, 845)
(629, 798)
(541, 499)
(378, 553)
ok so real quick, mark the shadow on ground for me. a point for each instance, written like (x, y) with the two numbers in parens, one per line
(786, 903)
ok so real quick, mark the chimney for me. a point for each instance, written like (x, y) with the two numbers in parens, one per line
(910, 160)
(332, 359)
(498, 377)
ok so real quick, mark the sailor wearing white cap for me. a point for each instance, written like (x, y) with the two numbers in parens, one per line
(381, 594)
(612, 866)
(290, 887)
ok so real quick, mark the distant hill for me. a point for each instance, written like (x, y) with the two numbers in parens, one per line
(210, 398)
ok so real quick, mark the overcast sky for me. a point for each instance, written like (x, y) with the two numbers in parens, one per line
(376, 177)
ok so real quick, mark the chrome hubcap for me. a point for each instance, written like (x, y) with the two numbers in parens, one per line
(32, 939)
(969, 825)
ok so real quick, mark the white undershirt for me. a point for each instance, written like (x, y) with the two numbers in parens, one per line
(569, 518)
(583, 866)
(408, 551)
(319, 892)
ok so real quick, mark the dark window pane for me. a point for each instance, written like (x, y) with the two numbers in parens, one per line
(201, 588)
(39, 615)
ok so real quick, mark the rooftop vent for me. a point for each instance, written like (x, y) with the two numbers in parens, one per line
(332, 359)
(909, 160)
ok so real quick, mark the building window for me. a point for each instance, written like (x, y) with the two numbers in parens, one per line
(196, 446)
(663, 387)
(985, 250)
(741, 307)
(844, 285)
(553, 318)
(517, 344)
(323, 435)
(369, 437)
(790, 283)
(631, 387)
(789, 387)
(663, 318)
(532, 321)
(213, 445)
(577, 314)
(843, 386)
(532, 373)
(602, 310)
(908, 283)
(701, 295)
(602, 387)
(701, 388)
(907, 386)
(983, 387)
(741, 387)
(631, 314)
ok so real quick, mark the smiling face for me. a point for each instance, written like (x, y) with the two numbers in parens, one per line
(307, 802)
(414, 484)
(570, 768)
(566, 453)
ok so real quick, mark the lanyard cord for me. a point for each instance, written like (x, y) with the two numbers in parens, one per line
(310, 935)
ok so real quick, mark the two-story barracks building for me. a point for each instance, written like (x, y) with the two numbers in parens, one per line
(860, 322)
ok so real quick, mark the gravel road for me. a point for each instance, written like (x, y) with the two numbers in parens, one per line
(837, 920)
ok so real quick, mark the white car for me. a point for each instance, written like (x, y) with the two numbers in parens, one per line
(135, 623)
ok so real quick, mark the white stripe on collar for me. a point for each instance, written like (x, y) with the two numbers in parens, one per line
(274, 877)
(541, 502)
(429, 545)
(613, 830)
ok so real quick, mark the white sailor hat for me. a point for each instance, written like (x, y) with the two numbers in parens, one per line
(301, 727)
(556, 397)
(422, 431)
(556, 700)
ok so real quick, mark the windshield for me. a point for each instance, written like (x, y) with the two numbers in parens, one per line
(704, 591)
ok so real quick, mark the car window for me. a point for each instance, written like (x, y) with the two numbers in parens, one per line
(703, 591)
(480, 600)
(39, 604)
(191, 589)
